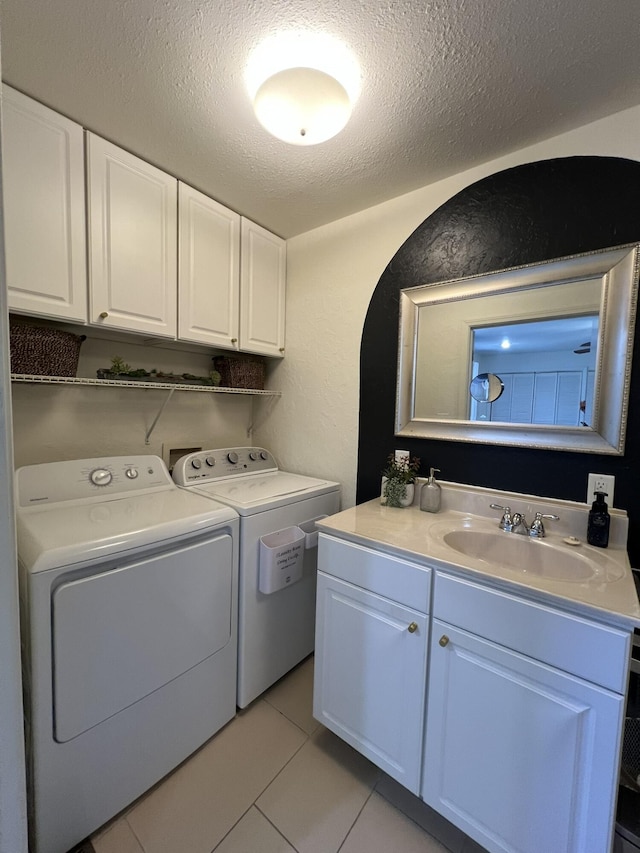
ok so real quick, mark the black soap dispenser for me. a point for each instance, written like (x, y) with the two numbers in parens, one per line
(599, 520)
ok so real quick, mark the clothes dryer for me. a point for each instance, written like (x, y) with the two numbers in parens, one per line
(275, 628)
(129, 616)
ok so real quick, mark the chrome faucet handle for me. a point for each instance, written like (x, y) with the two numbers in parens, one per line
(537, 528)
(506, 522)
(520, 524)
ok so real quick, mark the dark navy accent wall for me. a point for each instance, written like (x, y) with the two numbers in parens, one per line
(524, 215)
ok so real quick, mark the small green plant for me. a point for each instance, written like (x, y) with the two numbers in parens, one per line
(118, 365)
(403, 470)
(398, 475)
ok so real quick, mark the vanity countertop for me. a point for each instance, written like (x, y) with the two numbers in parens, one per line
(418, 535)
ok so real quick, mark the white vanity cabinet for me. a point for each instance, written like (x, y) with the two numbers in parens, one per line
(132, 231)
(262, 290)
(44, 210)
(524, 714)
(208, 270)
(371, 654)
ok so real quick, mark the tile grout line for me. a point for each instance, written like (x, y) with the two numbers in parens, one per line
(279, 831)
(269, 782)
(135, 835)
(344, 840)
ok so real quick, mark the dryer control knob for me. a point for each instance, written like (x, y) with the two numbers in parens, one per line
(101, 477)
(210, 460)
(253, 456)
(232, 457)
(131, 473)
(264, 455)
(196, 463)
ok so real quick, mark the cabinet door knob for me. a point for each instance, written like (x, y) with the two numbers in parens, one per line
(412, 628)
(281, 349)
(104, 315)
(444, 640)
(234, 340)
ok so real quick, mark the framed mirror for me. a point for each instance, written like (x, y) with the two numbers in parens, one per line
(557, 335)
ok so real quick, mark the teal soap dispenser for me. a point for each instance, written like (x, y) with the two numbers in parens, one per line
(431, 493)
(599, 521)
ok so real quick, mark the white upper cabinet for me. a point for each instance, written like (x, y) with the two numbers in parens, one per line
(132, 242)
(44, 224)
(208, 270)
(262, 290)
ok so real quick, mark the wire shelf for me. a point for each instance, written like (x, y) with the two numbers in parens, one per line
(119, 383)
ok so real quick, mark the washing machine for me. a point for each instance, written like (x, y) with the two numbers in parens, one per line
(128, 590)
(278, 554)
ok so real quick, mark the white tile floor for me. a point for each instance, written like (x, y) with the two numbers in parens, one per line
(275, 781)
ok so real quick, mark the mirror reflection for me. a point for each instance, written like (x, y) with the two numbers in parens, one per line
(467, 337)
(546, 369)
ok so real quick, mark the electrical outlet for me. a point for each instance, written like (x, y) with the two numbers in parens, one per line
(402, 456)
(601, 483)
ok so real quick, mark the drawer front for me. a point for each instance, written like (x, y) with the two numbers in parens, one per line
(392, 577)
(590, 650)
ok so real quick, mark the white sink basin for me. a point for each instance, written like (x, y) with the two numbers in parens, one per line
(533, 557)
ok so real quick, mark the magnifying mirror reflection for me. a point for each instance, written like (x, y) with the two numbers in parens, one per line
(486, 387)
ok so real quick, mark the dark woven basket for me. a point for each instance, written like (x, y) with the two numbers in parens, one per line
(42, 351)
(240, 372)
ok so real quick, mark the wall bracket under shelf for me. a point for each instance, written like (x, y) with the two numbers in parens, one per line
(171, 387)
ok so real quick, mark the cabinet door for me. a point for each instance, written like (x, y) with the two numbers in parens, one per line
(208, 271)
(370, 673)
(132, 242)
(43, 177)
(262, 290)
(520, 756)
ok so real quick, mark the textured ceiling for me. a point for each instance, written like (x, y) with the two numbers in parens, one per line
(446, 84)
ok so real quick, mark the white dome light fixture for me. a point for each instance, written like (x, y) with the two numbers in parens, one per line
(303, 86)
(302, 106)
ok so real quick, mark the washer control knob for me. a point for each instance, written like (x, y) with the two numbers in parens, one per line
(232, 457)
(264, 454)
(211, 461)
(196, 463)
(101, 477)
(131, 473)
(253, 456)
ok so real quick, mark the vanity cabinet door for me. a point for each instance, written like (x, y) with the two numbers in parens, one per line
(132, 242)
(370, 674)
(519, 755)
(44, 225)
(262, 290)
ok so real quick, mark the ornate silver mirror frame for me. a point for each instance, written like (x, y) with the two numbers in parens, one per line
(617, 270)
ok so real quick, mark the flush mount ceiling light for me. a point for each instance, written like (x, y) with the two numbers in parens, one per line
(303, 86)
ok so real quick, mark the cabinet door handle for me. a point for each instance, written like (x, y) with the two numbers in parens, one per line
(444, 640)
(104, 315)
(412, 628)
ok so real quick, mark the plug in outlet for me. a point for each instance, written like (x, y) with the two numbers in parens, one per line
(601, 483)
(402, 456)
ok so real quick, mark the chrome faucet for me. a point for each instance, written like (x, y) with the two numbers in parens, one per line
(517, 523)
(536, 531)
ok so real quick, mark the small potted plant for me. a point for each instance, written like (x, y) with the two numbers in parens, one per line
(398, 479)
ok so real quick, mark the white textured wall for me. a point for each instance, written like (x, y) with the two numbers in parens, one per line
(332, 273)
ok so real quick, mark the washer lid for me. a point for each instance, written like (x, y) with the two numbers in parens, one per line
(250, 494)
(56, 535)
